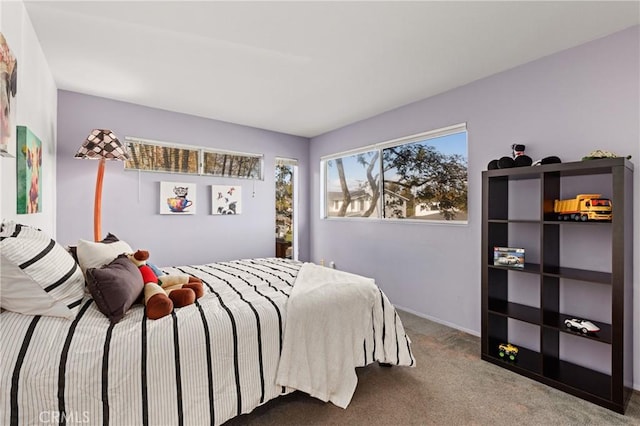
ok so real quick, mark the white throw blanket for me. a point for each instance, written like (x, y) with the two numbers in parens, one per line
(335, 322)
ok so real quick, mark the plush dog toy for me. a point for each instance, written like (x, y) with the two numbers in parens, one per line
(163, 293)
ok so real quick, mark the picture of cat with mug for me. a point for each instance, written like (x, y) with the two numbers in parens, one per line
(177, 198)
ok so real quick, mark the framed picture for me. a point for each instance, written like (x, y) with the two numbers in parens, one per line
(226, 199)
(8, 89)
(29, 163)
(177, 198)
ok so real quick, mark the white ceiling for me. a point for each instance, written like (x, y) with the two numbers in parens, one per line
(302, 68)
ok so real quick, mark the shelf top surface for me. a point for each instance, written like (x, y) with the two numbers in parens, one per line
(575, 168)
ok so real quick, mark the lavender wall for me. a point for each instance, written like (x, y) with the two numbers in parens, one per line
(130, 200)
(567, 104)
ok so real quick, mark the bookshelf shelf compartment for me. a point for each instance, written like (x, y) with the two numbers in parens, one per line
(533, 268)
(578, 274)
(555, 320)
(526, 361)
(515, 310)
(499, 224)
(579, 378)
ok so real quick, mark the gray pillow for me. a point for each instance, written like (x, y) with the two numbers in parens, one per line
(115, 287)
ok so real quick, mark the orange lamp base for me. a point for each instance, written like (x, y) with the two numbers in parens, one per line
(97, 204)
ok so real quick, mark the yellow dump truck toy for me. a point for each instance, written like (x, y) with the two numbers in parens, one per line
(584, 207)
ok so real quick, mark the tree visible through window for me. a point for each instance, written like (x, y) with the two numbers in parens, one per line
(353, 185)
(284, 201)
(423, 177)
(162, 157)
(233, 165)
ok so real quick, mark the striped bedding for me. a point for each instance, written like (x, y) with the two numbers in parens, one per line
(203, 364)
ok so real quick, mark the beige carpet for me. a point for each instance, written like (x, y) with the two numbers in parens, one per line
(451, 385)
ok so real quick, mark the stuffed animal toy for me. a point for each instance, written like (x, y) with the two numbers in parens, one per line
(599, 153)
(163, 293)
(547, 160)
(517, 159)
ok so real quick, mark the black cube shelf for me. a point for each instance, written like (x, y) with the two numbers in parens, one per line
(543, 359)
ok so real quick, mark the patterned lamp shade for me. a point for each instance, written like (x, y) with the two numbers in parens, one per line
(102, 143)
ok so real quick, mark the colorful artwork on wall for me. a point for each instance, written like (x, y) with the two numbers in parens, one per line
(8, 89)
(177, 198)
(29, 165)
(226, 199)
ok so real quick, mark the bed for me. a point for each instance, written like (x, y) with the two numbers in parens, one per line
(242, 344)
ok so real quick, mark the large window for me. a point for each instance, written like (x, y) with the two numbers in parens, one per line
(421, 177)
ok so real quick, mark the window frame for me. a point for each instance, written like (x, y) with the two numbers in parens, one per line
(294, 164)
(201, 152)
(380, 146)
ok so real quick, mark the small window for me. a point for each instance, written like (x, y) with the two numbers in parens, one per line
(173, 158)
(160, 158)
(232, 165)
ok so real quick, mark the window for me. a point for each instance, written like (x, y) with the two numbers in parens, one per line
(285, 173)
(160, 158)
(352, 185)
(420, 177)
(232, 165)
(174, 158)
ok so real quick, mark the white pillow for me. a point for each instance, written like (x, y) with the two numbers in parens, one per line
(96, 255)
(39, 277)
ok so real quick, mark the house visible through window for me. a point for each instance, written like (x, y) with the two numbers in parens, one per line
(352, 185)
(421, 177)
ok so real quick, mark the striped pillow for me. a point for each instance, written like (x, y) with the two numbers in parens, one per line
(39, 277)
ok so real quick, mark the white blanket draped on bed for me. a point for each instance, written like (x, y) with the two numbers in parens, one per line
(336, 322)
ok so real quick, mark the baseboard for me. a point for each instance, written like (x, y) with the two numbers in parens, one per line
(438, 320)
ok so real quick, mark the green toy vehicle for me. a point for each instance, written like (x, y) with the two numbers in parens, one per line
(507, 350)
